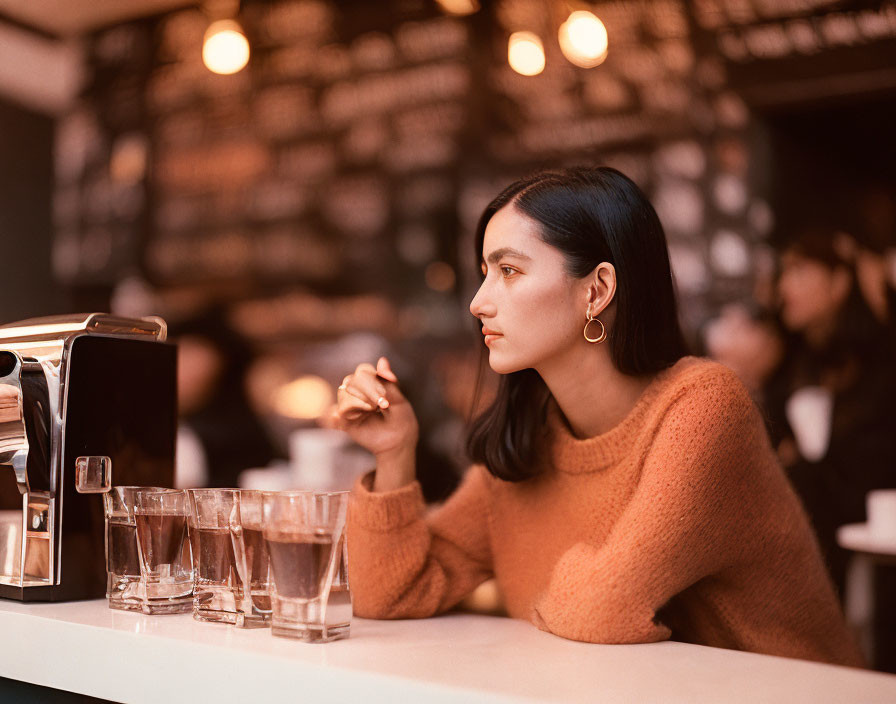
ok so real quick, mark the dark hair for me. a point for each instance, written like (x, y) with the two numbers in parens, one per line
(857, 332)
(591, 215)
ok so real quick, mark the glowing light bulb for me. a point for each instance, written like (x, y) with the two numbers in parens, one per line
(583, 39)
(459, 7)
(525, 53)
(225, 49)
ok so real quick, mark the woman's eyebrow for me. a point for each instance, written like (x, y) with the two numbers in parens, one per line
(506, 252)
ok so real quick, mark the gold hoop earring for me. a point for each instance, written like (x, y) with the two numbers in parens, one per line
(603, 330)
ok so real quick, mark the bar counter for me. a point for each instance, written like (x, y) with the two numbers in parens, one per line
(87, 648)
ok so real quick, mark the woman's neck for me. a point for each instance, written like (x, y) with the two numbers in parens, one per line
(592, 394)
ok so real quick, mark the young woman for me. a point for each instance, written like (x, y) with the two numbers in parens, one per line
(837, 344)
(622, 492)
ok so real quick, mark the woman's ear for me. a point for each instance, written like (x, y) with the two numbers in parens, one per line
(601, 287)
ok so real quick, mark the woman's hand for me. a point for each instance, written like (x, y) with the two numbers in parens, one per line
(375, 414)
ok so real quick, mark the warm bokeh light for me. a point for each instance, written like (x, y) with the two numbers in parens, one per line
(440, 276)
(583, 39)
(305, 398)
(459, 7)
(525, 53)
(225, 49)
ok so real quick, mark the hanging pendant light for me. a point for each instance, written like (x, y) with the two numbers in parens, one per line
(225, 49)
(525, 53)
(583, 39)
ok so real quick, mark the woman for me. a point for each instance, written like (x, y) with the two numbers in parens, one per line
(622, 492)
(840, 358)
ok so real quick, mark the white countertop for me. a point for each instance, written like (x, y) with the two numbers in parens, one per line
(87, 648)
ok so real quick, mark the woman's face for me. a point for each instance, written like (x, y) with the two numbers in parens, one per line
(531, 309)
(810, 293)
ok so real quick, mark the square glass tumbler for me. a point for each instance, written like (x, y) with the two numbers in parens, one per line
(225, 555)
(123, 583)
(258, 563)
(166, 567)
(304, 533)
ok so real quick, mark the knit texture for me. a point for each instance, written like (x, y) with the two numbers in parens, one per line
(677, 523)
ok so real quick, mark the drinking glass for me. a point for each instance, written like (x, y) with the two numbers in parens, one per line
(123, 585)
(304, 534)
(165, 562)
(257, 561)
(223, 560)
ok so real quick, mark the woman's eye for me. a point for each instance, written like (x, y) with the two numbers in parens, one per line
(507, 271)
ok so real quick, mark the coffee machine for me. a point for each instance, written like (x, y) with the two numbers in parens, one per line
(86, 401)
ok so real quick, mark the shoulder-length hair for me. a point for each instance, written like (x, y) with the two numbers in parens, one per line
(591, 215)
(858, 334)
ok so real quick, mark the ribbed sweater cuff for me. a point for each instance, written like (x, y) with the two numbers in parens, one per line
(383, 511)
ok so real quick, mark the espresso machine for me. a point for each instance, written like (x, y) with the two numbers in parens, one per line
(86, 401)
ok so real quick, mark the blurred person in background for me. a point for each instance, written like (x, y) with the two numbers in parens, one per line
(622, 491)
(749, 342)
(831, 402)
(220, 435)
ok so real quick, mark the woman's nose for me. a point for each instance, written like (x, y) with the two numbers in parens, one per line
(480, 306)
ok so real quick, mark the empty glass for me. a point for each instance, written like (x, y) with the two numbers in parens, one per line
(304, 534)
(230, 563)
(165, 562)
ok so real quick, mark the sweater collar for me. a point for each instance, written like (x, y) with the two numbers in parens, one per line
(573, 455)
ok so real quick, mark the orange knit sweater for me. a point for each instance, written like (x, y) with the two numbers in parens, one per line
(677, 523)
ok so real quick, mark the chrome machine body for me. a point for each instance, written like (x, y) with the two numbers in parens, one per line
(84, 399)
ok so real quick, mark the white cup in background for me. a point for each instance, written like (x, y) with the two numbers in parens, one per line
(322, 459)
(880, 506)
(809, 412)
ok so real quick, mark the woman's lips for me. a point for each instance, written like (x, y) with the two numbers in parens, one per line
(490, 335)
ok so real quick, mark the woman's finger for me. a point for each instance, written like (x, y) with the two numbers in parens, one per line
(351, 391)
(384, 369)
(366, 370)
(351, 402)
(373, 390)
(350, 387)
(342, 420)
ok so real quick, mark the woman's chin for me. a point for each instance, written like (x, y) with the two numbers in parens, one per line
(502, 366)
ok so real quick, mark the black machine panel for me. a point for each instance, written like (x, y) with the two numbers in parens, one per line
(120, 403)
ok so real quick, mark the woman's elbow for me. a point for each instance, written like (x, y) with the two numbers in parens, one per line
(615, 629)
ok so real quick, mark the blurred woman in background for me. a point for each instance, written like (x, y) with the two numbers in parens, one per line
(831, 401)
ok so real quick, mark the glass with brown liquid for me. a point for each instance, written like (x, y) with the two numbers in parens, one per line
(255, 552)
(304, 533)
(163, 550)
(123, 585)
(230, 566)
